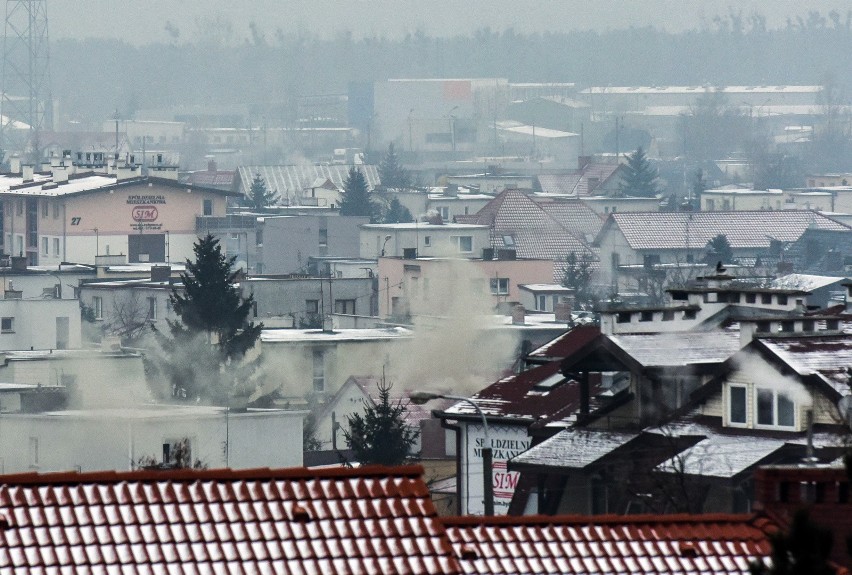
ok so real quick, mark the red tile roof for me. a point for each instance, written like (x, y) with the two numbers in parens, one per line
(744, 229)
(638, 544)
(566, 344)
(367, 520)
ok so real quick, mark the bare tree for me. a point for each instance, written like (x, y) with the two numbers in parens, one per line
(129, 319)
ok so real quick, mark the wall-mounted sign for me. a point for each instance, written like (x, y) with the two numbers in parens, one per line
(144, 213)
(506, 443)
(136, 200)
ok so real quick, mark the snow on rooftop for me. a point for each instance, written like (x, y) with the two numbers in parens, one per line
(574, 448)
(338, 335)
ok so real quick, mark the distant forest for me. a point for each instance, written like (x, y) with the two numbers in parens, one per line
(92, 78)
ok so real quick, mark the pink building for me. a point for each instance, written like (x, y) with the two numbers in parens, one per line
(448, 286)
(53, 217)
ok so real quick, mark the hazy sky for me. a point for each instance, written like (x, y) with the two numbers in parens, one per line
(145, 21)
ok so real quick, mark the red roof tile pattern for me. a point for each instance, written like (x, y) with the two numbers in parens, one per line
(367, 520)
(638, 544)
(744, 229)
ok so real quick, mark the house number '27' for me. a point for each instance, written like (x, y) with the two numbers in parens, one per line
(75, 221)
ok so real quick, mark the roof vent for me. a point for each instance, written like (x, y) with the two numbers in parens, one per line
(469, 553)
(300, 514)
(688, 549)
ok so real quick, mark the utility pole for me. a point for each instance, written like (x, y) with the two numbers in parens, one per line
(25, 101)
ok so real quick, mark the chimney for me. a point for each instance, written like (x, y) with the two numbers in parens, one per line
(563, 311)
(747, 331)
(15, 164)
(126, 171)
(161, 273)
(583, 161)
(60, 174)
(211, 165)
(27, 172)
(19, 263)
(518, 315)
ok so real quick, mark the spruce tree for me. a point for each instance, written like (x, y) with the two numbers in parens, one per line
(639, 178)
(397, 213)
(391, 172)
(380, 436)
(260, 196)
(355, 200)
(201, 353)
(719, 250)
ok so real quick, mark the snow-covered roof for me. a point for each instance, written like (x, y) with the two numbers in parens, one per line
(338, 335)
(805, 282)
(678, 349)
(574, 448)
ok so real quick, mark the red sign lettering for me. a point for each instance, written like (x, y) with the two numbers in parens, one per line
(144, 213)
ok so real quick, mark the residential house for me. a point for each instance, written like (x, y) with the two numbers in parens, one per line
(823, 291)
(285, 243)
(822, 252)
(545, 297)
(308, 301)
(632, 244)
(735, 198)
(516, 222)
(119, 438)
(690, 401)
(590, 179)
(39, 323)
(420, 239)
(432, 286)
(451, 201)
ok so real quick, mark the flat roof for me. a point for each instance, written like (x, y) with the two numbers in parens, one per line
(288, 335)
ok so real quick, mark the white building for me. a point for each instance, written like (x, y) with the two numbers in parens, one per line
(418, 239)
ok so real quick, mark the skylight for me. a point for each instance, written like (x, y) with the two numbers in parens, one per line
(551, 382)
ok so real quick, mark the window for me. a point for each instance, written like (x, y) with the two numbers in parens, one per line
(689, 314)
(152, 308)
(323, 237)
(44, 209)
(56, 247)
(509, 241)
(646, 316)
(319, 370)
(33, 451)
(312, 306)
(615, 260)
(766, 298)
(427, 241)
(55, 211)
(751, 298)
(98, 307)
(775, 409)
(782, 299)
(7, 325)
(737, 405)
(19, 207)
(207, 207)
(444, 211)
(499, 286)
(345, 306)
(45, 245)
(541, 303)
(623, 317)
(464, 244)
(19, 244)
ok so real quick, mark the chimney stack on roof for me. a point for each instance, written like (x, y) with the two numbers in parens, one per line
(519, 315)
(27, 172)
(563, 309)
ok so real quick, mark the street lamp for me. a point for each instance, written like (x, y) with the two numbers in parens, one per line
(421, 397)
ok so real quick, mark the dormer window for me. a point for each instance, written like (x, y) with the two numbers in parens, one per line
(775, 409)
(759, 407)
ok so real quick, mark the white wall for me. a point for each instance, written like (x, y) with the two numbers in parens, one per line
(34, 323)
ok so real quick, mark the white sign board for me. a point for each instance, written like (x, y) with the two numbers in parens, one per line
(506, 443)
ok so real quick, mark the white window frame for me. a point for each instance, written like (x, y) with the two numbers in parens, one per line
(45, 246)
(98, 306)
(457, 242)
(7, 325)
(729, 405)
(152, 308)
(499, 286)
(318, 359)
(56, 246)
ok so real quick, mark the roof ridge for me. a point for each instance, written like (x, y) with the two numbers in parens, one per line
(222, 474)
(471, 520)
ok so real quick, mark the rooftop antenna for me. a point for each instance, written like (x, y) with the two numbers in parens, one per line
(25, 103)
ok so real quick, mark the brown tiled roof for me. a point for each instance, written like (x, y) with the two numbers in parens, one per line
(639, 544)
(744, 229)
(367, 520)
(566, 344)
(536, 233)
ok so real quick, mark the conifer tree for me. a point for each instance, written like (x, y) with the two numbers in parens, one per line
(260, 196)
(639, 178)
(397, 213)
(391, 172)
(355, 200)
(380, 436)
(201, 353)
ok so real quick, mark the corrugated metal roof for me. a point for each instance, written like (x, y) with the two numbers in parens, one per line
(290, 181)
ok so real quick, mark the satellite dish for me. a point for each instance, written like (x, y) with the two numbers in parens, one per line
(845, 407)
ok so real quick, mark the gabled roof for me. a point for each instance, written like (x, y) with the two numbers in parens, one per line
(692, 230)
(573, 215)
(538, 394)
(639, 544)
(536, 234)
(577, 184)
(369, 386)
(367, 520)
(566, 344)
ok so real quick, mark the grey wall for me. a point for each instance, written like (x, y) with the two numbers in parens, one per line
(282, 297)
(288, 241)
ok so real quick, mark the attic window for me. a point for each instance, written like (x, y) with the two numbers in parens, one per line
(646, 316)
(832, 324)
(751, 298)
(782, 299)
(689, 314)
(550, 383)
(668, 315)
(623, 317)
(509, 241)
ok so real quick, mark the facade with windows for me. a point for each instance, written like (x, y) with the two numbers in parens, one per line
(420, 239)
(69, 216)
(39, 324)
(432, 286)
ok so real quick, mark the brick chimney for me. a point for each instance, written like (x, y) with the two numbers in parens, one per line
(563, 311)
(781, 490)
(518, 315)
